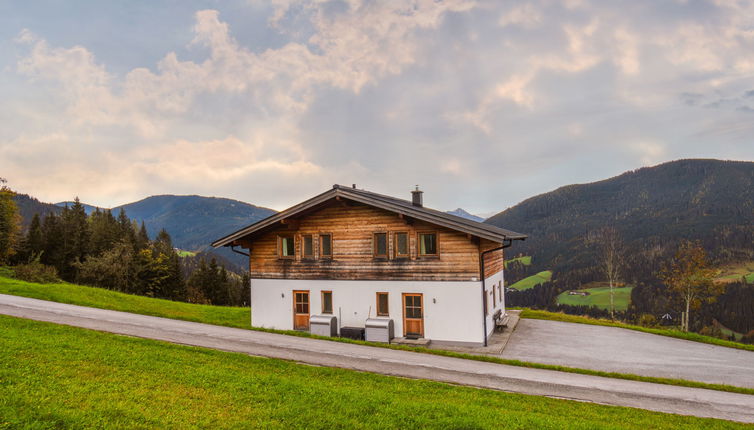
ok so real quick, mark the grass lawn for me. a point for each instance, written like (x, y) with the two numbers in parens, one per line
(599, 297)
(557, 316)
(239, 317)
(532, 281)
(106, 299)
(182, 253)
(54, 376)
(525, 260)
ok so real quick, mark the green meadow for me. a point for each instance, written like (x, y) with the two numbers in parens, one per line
(599, 297)
(532, 281)
(54, 376)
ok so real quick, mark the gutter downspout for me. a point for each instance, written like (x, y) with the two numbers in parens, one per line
(506, 243)
(232, 248)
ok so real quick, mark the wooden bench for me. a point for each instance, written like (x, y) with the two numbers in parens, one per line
(501, 320)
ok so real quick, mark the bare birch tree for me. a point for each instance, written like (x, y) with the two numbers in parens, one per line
(610, 257)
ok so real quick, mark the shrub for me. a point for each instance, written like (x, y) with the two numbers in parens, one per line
(647, 320)
(36, 272)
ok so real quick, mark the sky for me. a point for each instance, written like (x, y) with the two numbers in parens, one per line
(481, 103)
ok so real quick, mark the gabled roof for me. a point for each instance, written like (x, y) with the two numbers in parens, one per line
(388, 203)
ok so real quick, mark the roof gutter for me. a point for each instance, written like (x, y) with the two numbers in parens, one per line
(233, 248)
(506, 244)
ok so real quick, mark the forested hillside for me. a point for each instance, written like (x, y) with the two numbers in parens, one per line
(652, 208)
(29, 206)
(193, 222)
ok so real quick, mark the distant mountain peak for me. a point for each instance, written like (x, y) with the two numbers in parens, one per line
(463, 214)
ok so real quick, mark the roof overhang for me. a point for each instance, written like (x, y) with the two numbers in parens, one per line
(398, 206)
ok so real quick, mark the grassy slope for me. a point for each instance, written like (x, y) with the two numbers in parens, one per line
(239, 317)
(525, 260)
(532, 281)
(106, 299)
(734, 272)
(63, 377)
(599, 297)
(556, 316)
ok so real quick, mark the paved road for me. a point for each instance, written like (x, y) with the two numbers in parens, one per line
(664, 398)
(620, 350)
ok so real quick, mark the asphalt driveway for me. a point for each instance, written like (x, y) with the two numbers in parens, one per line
(656, 397)
(628, 351)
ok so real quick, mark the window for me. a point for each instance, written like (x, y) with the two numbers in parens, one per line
(325, 243)
(500, 290)
(427, 243)
(308, 248)
(380, 245)
(494, 296)
(401, 245)
(285, 246)
(382, 305)
(326, 302)
(413, 306)
(301, 302)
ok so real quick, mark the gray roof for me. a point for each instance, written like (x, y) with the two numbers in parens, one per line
(392, 204)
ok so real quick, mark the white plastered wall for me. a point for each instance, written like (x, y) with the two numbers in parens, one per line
(493, 282)
(452, 310)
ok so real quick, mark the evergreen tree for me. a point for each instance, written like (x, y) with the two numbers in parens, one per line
(151, 273)
(75, 239)
(142, 238)
(33, 244)
(9, 222)
(125, 228)
(52, 233)
(104, 232)
(174, 287)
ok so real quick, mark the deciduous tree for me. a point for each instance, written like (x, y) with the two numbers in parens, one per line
(610, 249)
(689, 276)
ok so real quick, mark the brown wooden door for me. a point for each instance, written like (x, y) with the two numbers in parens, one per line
(301, 310)
(413, 315)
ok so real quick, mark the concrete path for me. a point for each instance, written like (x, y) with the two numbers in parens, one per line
(620, 350)
(663, 398)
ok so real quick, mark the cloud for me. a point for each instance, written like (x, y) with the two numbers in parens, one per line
(452, 95)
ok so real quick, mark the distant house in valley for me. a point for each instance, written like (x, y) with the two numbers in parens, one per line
(355, 254)
(578, 293)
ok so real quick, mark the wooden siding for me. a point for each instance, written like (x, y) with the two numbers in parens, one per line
(352, 227)
(493, 261)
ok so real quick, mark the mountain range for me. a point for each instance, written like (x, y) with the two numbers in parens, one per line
(193, 222)
(652, 209)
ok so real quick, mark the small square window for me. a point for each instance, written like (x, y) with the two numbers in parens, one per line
(427, 243)
(380, 245)
(401, 245)
(286, 246)
(308, 248)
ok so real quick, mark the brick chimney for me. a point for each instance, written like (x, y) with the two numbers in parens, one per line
(416, 197)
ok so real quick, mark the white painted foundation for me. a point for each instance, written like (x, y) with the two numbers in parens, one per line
(452, 310)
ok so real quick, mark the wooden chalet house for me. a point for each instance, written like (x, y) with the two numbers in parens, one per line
(356, 254)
